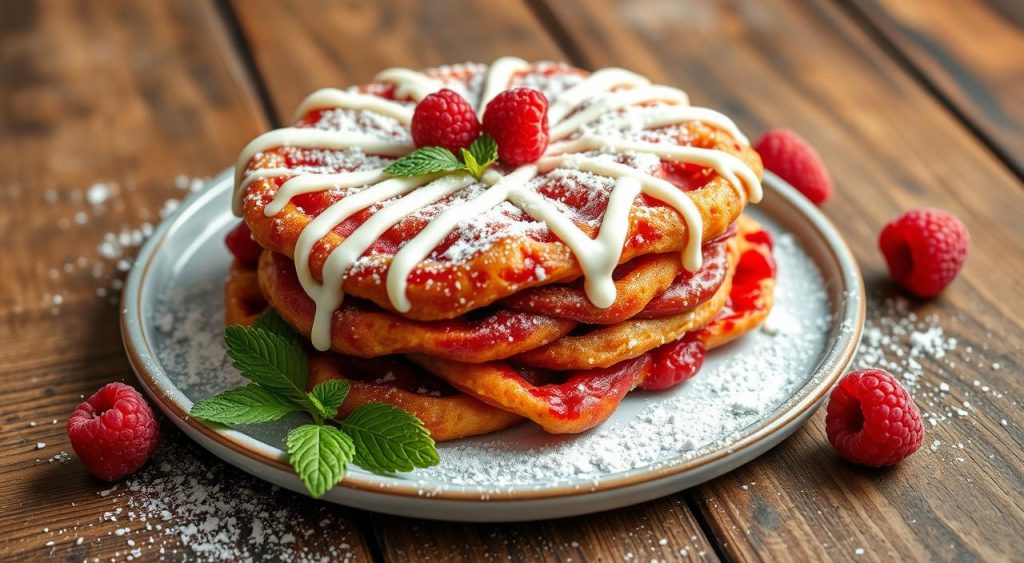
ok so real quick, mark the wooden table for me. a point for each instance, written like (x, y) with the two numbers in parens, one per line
(911, 104)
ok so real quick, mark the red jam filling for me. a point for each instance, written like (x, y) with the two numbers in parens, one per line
(587, 389)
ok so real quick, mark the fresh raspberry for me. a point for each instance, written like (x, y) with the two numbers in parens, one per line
(795, 161)
(925, 249)
(445, 119)
(518, 121)
(113, 432)
(674, 363)
(240, 242)
(871, 419)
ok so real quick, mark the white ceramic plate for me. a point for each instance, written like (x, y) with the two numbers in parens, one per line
(749, 396)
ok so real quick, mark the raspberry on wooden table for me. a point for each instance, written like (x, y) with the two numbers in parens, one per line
(518, 121)
(241, 244)
(871, 419)
(445, 119)
(795, 161)
(925, 249)
(113, 432)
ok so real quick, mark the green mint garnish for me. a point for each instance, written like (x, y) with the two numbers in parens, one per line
(319, 454)
(389, 439)
(426, 160)
(272, 322)
(378, 437)
(329, 395)
(272, 361)
(242, 405)
(482, 153)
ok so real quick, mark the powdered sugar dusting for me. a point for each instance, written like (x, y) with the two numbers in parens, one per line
(115, 251)
(185, 506)
(363, 122)
(930, 363)
(737, 387)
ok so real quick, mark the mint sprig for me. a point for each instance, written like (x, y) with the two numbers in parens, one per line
(482, 153)
(377, 437)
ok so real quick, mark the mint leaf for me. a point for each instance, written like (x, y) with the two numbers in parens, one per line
(243, 405)
(316, 409)
(484, 151)
(329, 395)
(272, 322)
(388, 439)
(275, 363)
(481, 154)
(471, 164)
(319, 454)
(426, 160)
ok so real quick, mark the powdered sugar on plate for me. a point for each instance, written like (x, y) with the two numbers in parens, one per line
(739, 385)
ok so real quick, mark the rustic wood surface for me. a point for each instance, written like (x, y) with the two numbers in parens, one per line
(971, 54)
(141, 97)
(131, 96)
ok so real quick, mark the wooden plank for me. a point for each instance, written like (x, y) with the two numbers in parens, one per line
(105, 105)
(970, 53)
(304, 46)
(309, 45)
(890, 147)
(662, 530)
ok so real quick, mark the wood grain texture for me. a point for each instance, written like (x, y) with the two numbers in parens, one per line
(971, 53)
(661, 530)
(890, 147)
(302, 46)
(128, 95)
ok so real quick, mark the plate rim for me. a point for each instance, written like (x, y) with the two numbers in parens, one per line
(837, 357)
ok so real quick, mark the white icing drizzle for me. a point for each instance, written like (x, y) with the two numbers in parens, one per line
(417, 249)
(310, 138)
(655, 187)
(259, 174)
(409, 83)
(607, 90)
(328, 295)
(499, 74)
(597, 256)
(615, 101)
(728, 166)
(309, 183)
(664, 116)
(334, 98)
(597, 83)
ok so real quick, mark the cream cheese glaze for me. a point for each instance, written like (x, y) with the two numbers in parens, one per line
(607, 91)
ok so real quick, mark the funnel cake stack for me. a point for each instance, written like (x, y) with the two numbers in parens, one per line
(545, 291)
